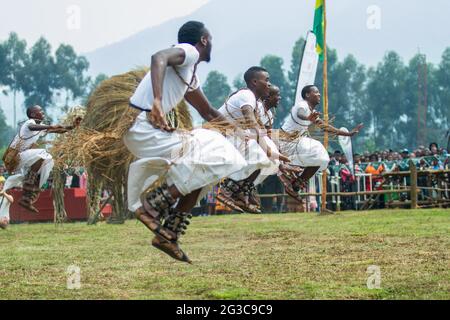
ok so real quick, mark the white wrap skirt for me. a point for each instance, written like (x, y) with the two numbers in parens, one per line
(190, 160)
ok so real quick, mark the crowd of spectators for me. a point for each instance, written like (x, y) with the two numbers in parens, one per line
(433, 158)
(371, 166)
(386, 161)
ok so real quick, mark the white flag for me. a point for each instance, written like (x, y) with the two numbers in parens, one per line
(308, 67)
(346, 145)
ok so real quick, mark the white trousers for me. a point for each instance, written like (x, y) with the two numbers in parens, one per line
(27, 159)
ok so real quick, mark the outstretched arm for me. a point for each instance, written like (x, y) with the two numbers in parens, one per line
(55, 128)
(312, 117)
(40, 127)
(329, 128)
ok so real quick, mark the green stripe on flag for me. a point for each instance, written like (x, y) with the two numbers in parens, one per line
(319, 27)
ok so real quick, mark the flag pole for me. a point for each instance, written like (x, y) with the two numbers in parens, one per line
(325, 104)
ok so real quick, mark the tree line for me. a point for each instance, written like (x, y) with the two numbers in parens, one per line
(390, 99)
(385, 97)
(42, 76)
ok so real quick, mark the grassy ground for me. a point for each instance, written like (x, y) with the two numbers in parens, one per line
(294, 256)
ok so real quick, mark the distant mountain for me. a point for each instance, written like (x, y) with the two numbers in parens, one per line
(245, 30)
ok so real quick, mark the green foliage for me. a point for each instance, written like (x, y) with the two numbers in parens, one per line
(274, 65)
(216, 88)
(3, 64)
(70, 70)
(347, 105)
(92, 85)
(297, 53)
(40, 75)
(6, 132)
(386, 98)
(369, 145)
(238, 82)
(442, 92)
(13, 58)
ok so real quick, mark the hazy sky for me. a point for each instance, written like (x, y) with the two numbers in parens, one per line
(84, 24)
(87, 24)
(91, 24)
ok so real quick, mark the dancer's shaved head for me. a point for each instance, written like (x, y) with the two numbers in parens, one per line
(35, 112)
(274, 90)
(274, 98)
(252, 74)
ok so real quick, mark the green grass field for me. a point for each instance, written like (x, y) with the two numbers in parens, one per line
(293, 256)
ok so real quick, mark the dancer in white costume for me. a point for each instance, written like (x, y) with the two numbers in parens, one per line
(5, 202)
(186, 162)
(306, 152)
(262, 156)
(267, 118)
(272, 101)
(29, 166)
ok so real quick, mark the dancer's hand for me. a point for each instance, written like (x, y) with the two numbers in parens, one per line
(157, 117)
(356, 129)
(283, 158)
(57, 129)
(314, 116)
(275, 155)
